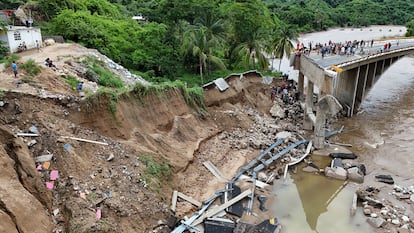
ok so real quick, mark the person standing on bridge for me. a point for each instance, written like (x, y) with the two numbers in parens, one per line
(372, 42)
(389, 45)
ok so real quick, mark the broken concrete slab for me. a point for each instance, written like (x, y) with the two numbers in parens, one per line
(221, 84)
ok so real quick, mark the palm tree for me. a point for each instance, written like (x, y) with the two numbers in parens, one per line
(251, 53)
(196, 42)
(282, 42)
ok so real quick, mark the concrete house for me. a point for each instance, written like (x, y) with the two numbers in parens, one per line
(15, 36)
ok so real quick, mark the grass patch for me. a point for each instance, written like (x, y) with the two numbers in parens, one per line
(31, 68)
(9, 60)
(193, 96)
(97, 72)
(112, 96)
(72, 81)
(2, 94)
(156, 172)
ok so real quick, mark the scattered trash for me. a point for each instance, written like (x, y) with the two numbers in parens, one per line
(67, 147)
(54, 174)
(98, 214)
(39, 167)
(33, 129)
(32, 143)
(49, 185)
(110, 157)
(46, 165)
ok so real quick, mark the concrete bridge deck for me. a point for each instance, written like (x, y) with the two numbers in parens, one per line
(345, 79)
(335, 60)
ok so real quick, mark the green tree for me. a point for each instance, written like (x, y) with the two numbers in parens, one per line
(410, 28)
(284, 35)
(197, 42)
(251, 53)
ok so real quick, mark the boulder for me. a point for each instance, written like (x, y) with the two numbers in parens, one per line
(355, 175)
(376, 222)
(310, 169)
(336, 173)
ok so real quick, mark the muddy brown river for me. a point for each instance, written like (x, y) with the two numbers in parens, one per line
(382, 133)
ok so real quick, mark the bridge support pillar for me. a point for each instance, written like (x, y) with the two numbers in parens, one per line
(301, 82)
(319, 133)
(307, 122)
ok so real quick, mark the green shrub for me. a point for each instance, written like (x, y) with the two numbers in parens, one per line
(106, 77)
(9, 60)
(31, 68)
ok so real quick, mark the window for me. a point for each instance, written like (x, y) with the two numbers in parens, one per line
(17, 36)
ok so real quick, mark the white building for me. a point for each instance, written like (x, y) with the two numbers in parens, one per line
(15, 36)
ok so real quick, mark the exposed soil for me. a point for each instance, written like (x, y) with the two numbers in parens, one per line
(238, 125)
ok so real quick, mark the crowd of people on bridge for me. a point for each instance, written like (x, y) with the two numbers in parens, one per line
(346, 48)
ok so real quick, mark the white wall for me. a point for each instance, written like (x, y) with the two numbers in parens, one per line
(28, 35)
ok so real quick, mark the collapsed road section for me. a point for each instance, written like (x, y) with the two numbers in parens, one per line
(231, 196)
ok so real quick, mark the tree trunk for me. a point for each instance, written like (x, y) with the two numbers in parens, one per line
(201, 71)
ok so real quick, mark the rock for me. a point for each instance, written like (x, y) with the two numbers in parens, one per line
(310, 169)
(355, 175)
(374, 215)
(405, 218)
(412, 198)
(396, 222)
(262, 176)
(110, 157)
(337, 162)
(277, 111)
(368, 210)
(336, 173)
(376, 222)
(385, 179)
(343, 155)
(403, 230)
(2, 103)
(31, 143)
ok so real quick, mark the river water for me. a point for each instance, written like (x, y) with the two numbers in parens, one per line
(382, 135)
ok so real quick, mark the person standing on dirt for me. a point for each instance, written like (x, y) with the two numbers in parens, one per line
(80, 86)
(14, 67)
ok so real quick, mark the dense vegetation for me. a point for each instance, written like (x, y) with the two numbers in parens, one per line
(197, 38)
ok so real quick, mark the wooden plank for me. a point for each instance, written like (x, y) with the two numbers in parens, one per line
(214, 170)
(174, 200)
(222, 207)
(189, 199)
(86, 140)
(28, 135)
